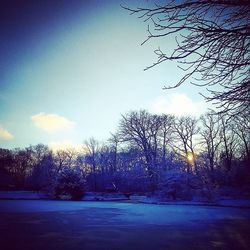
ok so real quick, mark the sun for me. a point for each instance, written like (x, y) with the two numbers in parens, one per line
(190, 157)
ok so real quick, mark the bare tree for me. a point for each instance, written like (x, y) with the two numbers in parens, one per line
(185, 129)
(114, 141)
(142, 130)
(228, 141)
(65, 158)
(241, 127)
(167, 122)
(212, 46)
(211, 138)
(92, 146)
(22, 165)
(38, 152)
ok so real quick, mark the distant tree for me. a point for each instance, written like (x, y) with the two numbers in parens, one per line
(114, 141)
(44, 174)
(104, 159)
(6, 158)
(132, 175)
(38, 152)
(92, 146)
(167, 122)
(241, 127)
(229, 142)
(91, 158)
(6, 162)
(211, 138)
(21, 163)
(22, 166)
(142, 130)
(212, 44)
(65, 158)
(185, 129)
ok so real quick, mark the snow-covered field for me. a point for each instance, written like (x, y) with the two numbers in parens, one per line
(44, 224)
(91, 196)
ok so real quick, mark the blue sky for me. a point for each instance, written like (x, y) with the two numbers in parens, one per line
(69, 69)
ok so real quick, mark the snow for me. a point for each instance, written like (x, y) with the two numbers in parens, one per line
(27, 195)
(92, 225)
(139, 213)
(90, 196)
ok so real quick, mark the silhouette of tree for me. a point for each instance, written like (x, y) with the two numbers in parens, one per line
(114, 141)
(167, 122)
(212, 46)
(211, 139)
(92, 146)
(229, 142)
(64, 158)
(142, 130)
(185, 129)
(241, 127)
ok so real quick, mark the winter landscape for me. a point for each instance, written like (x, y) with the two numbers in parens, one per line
(125, 125)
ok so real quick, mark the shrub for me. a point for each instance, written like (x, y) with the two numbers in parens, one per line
(69, 183)
(174, 185)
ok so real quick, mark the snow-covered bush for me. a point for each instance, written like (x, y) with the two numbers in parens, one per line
(183, 186)
(69, 183)
(175, 185)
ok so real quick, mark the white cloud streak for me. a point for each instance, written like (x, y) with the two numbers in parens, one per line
(51, 123)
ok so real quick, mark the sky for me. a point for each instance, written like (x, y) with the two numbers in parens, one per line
(69, 69)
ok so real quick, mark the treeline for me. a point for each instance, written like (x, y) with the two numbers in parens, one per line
(176, 157)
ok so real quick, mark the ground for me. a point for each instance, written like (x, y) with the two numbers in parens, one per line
(64, 225)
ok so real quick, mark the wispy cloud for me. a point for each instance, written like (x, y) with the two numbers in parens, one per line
(5, 134)
(51, 123)
(177, 104)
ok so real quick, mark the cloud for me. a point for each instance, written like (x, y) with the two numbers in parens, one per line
(52, 123)
(5, 134)
(64, 145)
(177, 104)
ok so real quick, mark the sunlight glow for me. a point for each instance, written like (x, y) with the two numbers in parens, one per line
(66, 145)
(190, 157)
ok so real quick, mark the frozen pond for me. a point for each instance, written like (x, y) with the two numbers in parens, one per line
(41, 224)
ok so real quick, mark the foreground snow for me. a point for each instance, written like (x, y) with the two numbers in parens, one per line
(133, 212)
(28, 195)
(65, 225)
(223, 202)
